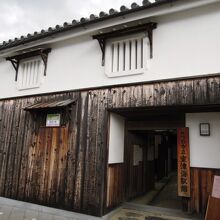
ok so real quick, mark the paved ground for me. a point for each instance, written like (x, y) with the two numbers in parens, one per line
(168, 197)
(16, 210)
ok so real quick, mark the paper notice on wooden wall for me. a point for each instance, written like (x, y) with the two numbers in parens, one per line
(137, 154)
(216, 187)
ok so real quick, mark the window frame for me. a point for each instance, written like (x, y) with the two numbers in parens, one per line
(30, 53)
(40, 73)
(145, 55)
(125, 30)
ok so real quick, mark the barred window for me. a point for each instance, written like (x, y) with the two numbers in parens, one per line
(127, 56)
(30, 73)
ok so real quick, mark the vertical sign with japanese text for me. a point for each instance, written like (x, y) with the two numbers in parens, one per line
(183, 162)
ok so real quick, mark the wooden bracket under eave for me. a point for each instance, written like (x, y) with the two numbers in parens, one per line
(15, 64)
(150, 37)
(44, 57)
(148, 27)
(15, 60)
(102, 46)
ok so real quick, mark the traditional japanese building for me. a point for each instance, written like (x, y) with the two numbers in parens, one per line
(94, 112)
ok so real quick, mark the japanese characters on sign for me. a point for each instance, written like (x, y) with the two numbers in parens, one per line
(183, 162)
(53, 120)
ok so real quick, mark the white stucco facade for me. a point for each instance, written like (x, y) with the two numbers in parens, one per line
(204, 150)
(185, 43)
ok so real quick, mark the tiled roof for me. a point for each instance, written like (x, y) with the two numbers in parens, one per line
(47, 105)
(83, 21)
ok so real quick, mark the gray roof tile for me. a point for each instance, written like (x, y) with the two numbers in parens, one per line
(75, 23)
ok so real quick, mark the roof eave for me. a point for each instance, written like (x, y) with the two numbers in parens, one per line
(62, 29)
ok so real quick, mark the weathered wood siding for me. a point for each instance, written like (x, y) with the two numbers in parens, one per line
(201, 187)
(115, 185)
(85, 166)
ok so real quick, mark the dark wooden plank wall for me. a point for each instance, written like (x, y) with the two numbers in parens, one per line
(126, 181)
(135, 178)
(201, 188)
(85, 189)
(116, 185)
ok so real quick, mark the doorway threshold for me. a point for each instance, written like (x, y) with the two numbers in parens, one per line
(132, 211)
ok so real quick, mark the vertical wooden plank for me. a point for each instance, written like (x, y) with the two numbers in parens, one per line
(9, 113)
(171, 93)
(204, 194)
(90, 154)
(102, 154)
(159, 94)
(148, 95)
(121, 57)
(135, 96)
(71, 155)
(213, 84)
(82, 147)
(197, 190)
(127, 55)
(46, 165)
(200, 93)
(11, 169)
(26, 144)
(115, 58)
(139, 55)
(54, 167)
(133, 55)
(62, 165)
(18, 148)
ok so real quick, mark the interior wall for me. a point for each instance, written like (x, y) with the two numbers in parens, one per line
(204, 150)
(116, 139)
(136, 167)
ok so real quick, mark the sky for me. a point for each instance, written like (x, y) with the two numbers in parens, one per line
(20, 17)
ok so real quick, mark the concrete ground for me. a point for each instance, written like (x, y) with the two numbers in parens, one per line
(168, 196)
(134, 210)
(162, 203)
(149, 196)
(16, 210)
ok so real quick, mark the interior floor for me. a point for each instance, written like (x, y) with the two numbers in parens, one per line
(167, 197)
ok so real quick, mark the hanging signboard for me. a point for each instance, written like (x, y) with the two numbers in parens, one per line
(183, 162)
(53, 120)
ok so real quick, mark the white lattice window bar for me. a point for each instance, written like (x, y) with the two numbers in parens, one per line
(30, 73)
(127, 56)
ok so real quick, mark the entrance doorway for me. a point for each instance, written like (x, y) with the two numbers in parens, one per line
(145, 170)
(152, 170)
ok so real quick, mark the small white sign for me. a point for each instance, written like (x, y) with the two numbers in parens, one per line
(53, 120)
(204, 129)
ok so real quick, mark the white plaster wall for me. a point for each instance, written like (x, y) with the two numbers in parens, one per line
(116, 139)
(184, 44)
(204, 150)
